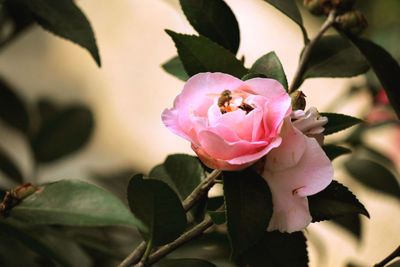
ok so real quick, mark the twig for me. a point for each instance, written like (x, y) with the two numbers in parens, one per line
(297, 79)
(389, 258)
(187, 204)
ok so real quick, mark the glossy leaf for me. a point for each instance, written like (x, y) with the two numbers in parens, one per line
(215, 20)
(270, 66)
(175, 67)
(333, 151)
(66, 20)
(8, 167)
(334, 201)
(200, 54)
(334, 56)
(184, 263)
(65, 133)
(290, 9)
(386, 68)
(160, 209)
(12, 108)
(373, 175)
(351, 223)
(338, 122)
(73, 202)
(249, 208)
(277, 249)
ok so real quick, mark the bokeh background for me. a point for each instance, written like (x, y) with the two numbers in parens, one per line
(129, 92)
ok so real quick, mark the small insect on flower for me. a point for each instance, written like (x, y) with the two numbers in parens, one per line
(14, 197)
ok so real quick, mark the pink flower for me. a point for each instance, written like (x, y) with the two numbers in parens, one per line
(233, 123)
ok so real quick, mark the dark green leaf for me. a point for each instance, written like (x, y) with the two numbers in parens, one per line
(351, 223)
(200, 54)
(373, 175)
(218, 217)
(184, 263)
(376, 155)
(8, 167)
(72, 202)
(215, 20)
(175, 67)
(333, 151)
(249, 208)
(290, 9)
(181, 172)
(270, 66)
(160, 209)
(334, 201)
(338, 122)
(63, 134)
(334, 56)
(386, 68)
(13, 109)
(65, 19)
(277, 249)
(47, 110)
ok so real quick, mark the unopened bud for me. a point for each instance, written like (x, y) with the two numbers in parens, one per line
(318, 7)
(353, 22)
(298, 100)
(343, 5)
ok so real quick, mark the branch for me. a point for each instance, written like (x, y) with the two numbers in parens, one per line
(187, 204)
(386, 260)
(297, 80)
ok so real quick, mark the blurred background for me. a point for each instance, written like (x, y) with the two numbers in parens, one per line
(129, 92)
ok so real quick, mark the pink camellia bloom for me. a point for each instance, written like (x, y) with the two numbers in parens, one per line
(231, 124)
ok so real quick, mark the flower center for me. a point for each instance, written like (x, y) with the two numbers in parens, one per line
(226, 104)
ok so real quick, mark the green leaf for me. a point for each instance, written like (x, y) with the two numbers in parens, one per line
(218, 217)
(386, 68)
(270, 66)
(373, 175)
(12, 108)
(160, 209)
(8, 167)
(63, 134)
(249, 208)
(333, 151)
(334, 201)
(334, 56)
(277, 249)
(200, 54)
(66, 20)
(290, 9)
(175, 67)
(73, 202)
(184, 263)
(338, 122)
(351, 223)
(181, 172)
(215, 20)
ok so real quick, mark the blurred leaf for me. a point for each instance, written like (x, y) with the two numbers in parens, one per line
(160, 209)
(373, 175)
(8, 167)
(49, 245)
(47, 110)
(277, 249)
(249, 208)
(63, 134)
(395, 264)
(184, 263)
(200, 54)
(338, 122)
(334, 201)
(72, 202)
(66, 20)
(351, 223)
(334, 56)
(215, 20)
(218, 217)
(270, 66)
(175, 67)
(375, 155)
(386, 68)
(115, 182)
(333, 151)
(12, 108)
(290, 9)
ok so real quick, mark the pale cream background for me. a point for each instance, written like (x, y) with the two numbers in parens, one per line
(130, 91)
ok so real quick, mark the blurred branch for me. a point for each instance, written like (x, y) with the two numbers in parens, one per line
(389, 258)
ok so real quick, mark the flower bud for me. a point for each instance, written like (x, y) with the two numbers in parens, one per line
(298, 100)
(353, 22)
(343, 5)
(318, 7)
